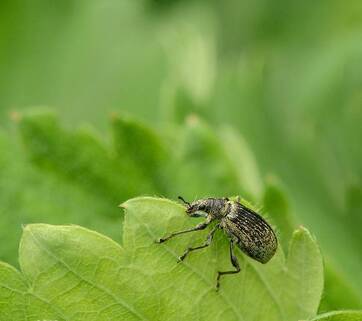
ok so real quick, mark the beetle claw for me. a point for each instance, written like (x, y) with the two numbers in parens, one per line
(180, 258)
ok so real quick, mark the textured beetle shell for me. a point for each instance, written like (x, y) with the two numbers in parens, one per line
(250, 232)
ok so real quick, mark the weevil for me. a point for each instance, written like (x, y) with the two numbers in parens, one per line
(244, 227)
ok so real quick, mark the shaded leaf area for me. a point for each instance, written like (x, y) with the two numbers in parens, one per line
(353, 215)
(338, 292)
(81, 157)
(71, 273)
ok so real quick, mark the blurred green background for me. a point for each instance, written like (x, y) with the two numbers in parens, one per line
(251, 96)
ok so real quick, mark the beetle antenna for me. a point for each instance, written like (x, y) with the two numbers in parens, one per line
(181, 198)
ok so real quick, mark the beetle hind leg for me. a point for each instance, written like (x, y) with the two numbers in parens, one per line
(234, 262)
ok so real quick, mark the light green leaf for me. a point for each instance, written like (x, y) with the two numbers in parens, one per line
(340, 316)
(72, 273)
(12, 291)
(303, 288)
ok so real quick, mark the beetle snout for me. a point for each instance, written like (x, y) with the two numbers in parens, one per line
(189, 210)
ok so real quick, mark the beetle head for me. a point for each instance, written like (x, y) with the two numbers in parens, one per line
(192, 208)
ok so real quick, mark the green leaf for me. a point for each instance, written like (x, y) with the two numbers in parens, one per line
(29, 195)
(340, 316)
(12, 293)
(138, 144)
(353, 215)
(244, 162)
(304, 287)
(335, 285)
(80, 157)
(276, 205)
(203, 169)
(72, 273)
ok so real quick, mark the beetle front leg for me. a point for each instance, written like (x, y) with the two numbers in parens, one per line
(198, 227)
(234, 262)
(206, 244)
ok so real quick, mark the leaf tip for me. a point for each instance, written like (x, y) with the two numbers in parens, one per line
(25, 227)
(142, 199)
(31, 228)
(122, 205)
(303, 234)
(301, 231)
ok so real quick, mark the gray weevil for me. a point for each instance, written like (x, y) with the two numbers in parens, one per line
(244, 227)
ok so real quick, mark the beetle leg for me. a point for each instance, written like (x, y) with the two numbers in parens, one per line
(234, 262)
(198, 227)
(206, 244)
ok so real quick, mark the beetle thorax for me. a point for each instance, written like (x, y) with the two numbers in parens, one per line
(215, 207)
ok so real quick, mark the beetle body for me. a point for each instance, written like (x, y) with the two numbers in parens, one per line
(249, 231)
(244, 227)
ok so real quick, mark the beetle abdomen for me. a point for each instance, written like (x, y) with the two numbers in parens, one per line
(252, 233)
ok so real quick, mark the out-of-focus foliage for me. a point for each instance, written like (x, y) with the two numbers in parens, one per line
(258, 98)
